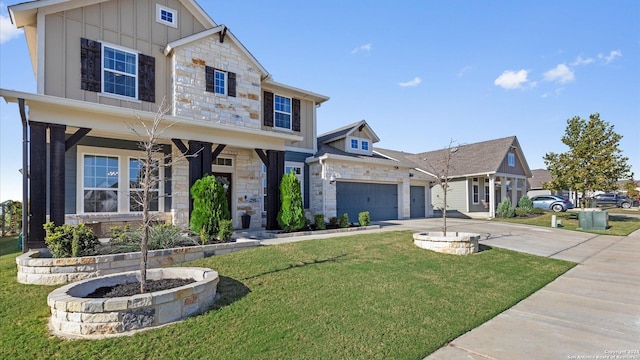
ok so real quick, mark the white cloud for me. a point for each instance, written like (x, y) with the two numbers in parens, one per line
(612, 55)
(580, 61)
(512, 79)
(362, 48)
(561, 74)
(464, 70)
(7, 30)
(413, 83)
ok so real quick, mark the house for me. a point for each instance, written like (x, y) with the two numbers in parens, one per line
(349, 175)
(104, 66)
(480, 174)
(536, 182)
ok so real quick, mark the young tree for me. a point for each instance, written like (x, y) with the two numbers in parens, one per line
(631, 188)
(441, 170)
(209, 207)
(593, 162)
(291, 214)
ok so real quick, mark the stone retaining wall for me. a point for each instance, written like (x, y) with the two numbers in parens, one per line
(74, 315)
(34, 267)
(456, 243)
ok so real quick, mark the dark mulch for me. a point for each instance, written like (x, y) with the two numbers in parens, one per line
(130, 289)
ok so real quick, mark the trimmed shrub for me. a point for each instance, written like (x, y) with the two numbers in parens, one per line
(525, 203)
(209, 207)
(291, 215)
(364, 219)
(521, 212)
(537, 211)
(333, 221)
(505, 210)
(226, 230)
(69, 241)
(343, 220)
(318, 221)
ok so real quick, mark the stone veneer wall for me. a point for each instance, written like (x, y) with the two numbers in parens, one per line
(247, 186)
(37, 270)
(190, 96)
(179, 189)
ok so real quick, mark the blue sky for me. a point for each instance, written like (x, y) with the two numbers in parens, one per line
(422, 72)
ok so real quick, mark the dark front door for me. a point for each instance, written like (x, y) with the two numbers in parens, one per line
(417, 201)
(225, 178)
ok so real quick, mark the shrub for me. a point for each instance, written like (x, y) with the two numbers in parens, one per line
(291, 215)
(209, 207)
(505, 210)
(525, 203)
(165, 236)
(343, 220)
(318, 221)
(333, 221)
(70, 241)
(226, 230)
(521, 212)
(364, 218)
(537, 211)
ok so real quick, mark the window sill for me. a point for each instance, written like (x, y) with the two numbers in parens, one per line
(119, 97)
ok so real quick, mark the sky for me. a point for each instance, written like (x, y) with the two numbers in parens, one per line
(421, 73)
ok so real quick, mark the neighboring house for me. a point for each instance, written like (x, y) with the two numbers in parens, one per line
(100, 64)
(349, 175)
(480, 174)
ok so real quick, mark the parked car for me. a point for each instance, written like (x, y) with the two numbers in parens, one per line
(552, 202)
(613, 200)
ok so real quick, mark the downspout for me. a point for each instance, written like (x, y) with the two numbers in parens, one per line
(324, 192)
(25, 177)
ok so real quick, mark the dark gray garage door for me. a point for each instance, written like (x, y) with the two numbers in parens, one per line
(417, 202)
(380, 200)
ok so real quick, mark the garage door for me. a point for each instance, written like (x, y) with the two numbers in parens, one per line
(380, 200)
(417, 202)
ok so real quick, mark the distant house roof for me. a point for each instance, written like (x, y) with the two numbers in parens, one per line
(345, 131)
(538, 176)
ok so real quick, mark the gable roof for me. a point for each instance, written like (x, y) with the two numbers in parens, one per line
(345, 131)
(538, 176)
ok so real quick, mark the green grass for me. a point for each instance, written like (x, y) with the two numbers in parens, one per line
(619, 224)
(359, 297)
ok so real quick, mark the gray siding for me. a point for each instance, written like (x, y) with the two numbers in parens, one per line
(456, 195)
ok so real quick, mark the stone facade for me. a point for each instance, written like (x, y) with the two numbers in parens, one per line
(455, 243)
(179, 189)
(190, 96)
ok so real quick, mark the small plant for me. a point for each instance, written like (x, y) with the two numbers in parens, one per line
(537, 211)
(333, 221)
(521, 212)
(505, 210)
(343, 221)
(226, 230)
(364, 218)
(69, 241)
(525, 203)
(318, 221)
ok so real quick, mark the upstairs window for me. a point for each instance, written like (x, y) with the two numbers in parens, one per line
(220, 82)
(167, 16)
(220, 79)
(282, 112)
(511, 159)
(364, 145)
(354, 144)
(120, 72)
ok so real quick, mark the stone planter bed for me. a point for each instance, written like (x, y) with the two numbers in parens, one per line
(37, 267)
(457, 243)
(275, 235)
(73, 315)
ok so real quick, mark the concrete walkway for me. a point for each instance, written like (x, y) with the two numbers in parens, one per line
(591, 312)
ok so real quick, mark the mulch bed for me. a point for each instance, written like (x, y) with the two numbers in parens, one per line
(130, 289)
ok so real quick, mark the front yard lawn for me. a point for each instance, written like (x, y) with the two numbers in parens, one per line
(368, 296)
(619, 224)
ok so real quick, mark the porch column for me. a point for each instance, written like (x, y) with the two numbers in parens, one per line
(56, 174)
(37, 184)
(514, 192)
(492, 197)
(275, 171)
(503, 187)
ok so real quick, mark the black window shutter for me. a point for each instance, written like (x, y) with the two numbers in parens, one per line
(295, 124)
(146, 78)
(268, 109)
(210, 78)
(231, 84)
(90, 65)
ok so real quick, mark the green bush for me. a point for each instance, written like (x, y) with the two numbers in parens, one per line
(291, 215)
(521, 212)
(70, 241)
(226, 230)
(209, 207)
(364, 218)
(525, 203)
(318, 221)
(505, 210)
(343, 220)
(537, 211)
(333, 221)
(166, 236)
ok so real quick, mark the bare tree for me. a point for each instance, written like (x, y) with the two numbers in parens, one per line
(440, 171)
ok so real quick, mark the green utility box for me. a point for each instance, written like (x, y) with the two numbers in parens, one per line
(593, 220)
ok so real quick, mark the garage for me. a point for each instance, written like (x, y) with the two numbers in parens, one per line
(380, 200)
(417, 202)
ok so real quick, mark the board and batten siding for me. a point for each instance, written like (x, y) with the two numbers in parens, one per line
(127, 23)
(518, 169)
(456, 195)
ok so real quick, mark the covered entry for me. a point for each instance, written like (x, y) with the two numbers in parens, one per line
(380, 200)
(418, 202)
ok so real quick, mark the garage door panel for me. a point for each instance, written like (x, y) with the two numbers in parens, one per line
(380, 200)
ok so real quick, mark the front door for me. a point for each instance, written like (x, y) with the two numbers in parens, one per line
(226, 180)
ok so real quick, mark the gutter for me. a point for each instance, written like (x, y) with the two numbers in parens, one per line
(25, 177)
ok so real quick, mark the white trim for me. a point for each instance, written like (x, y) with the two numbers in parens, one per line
(290, 113)
(174, 16)
(40, 53)
(475, 182)
(358, 149)
(225, 83)
(135, 76)
(511, 159)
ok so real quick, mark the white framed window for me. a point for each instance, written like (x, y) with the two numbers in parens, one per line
(167, 16)
(511, 160)
(222, 161)
(119, 71)
(364, 145)
(358, 145)
(354, 144)
(298, 169)
(476, 191)
(108, 181)
(486, 190)
(220, 82)
(282, 112)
